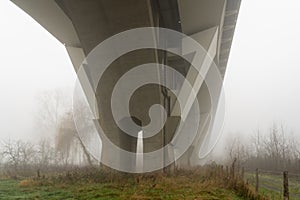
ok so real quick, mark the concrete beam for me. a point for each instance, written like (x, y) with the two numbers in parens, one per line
(76, 55)
(49, 15)
(208, 39)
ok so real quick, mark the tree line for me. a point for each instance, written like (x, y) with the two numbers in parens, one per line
(58, 148)
(275, 150)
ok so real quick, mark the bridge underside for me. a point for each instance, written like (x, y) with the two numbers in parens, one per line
(82, 25)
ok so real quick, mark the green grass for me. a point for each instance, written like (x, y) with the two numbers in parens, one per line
(162, 188)
(272, 185)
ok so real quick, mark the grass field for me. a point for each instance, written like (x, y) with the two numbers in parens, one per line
(272, 185)
(163, 188)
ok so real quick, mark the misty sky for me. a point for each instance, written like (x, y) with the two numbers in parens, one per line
(32, 60)
(262, 80)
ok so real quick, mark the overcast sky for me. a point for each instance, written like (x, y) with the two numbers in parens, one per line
(32, 60)
(262, 80)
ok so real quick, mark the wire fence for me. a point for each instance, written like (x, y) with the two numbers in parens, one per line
(276, 184)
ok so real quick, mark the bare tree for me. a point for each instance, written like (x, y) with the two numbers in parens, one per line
(11, 153)
(276, 150)
(51, 107)
(18, 155)
(68, 140)
(45, 154)
(257, 142)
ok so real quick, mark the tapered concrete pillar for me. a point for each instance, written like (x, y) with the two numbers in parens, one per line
(140, 102)
(129, 143)
(170, 131)
(190, 158)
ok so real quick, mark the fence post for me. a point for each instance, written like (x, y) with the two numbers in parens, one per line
(38, 175)
(242, 174)
(257, 180)
(285, 186)
(233, 169)
(227, 172)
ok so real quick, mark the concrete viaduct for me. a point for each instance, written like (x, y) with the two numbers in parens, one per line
(80, 25)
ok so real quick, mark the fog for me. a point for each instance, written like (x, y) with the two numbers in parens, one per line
(32, 61)
(262, 80)
(261, 83)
